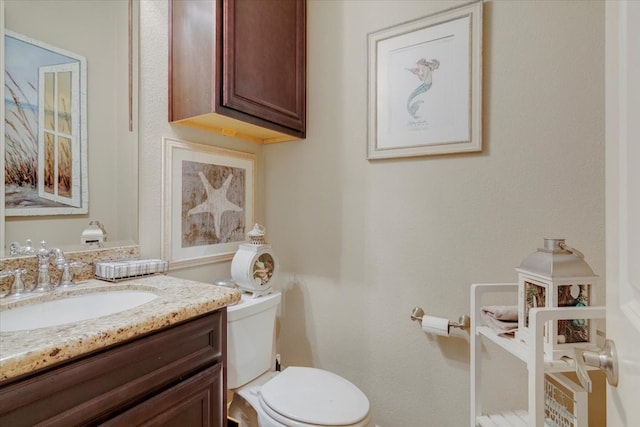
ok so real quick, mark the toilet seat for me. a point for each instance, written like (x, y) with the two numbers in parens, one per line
(303, 397)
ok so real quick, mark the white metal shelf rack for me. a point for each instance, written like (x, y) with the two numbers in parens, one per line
(531, 354)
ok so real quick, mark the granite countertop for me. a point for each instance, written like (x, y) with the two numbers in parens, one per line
(178, 300)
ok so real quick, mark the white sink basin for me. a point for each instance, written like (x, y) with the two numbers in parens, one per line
(71, 309)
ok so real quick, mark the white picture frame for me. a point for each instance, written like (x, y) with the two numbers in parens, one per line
(208, 202)
(425, 85)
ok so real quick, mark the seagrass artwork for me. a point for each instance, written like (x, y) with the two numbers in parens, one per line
(45, 129)
(536, 296)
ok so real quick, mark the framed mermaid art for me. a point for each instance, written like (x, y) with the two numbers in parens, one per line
(425, 85)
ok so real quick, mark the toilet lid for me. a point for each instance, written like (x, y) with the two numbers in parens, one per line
(315, 396)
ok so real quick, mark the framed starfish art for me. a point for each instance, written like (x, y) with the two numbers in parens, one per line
(208, 202)
(425, 85)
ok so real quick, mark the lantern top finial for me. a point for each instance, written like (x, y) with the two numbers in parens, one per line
(556, 259)
(554, 244)
(257, 235)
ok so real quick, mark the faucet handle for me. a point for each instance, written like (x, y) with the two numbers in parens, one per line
(66, 279)
(17, 288)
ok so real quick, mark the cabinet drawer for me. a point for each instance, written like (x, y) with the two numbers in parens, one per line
(193, 402)
(91, 388)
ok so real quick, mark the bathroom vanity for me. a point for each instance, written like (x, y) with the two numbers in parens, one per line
(162, 362)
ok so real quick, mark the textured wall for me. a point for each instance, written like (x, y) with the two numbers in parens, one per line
(360, 243)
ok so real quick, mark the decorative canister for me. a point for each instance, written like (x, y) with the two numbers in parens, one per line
(254, 266)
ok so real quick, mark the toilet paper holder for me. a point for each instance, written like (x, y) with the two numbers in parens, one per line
(464, 321)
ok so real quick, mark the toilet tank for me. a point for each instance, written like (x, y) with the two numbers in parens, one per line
(250, 337)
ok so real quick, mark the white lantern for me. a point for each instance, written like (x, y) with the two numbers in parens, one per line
(557, 276)
(254, 266)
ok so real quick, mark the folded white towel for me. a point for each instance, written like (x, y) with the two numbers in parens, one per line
(503, 319)
(502, 312)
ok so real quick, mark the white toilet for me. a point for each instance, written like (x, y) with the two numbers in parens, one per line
(295, 397)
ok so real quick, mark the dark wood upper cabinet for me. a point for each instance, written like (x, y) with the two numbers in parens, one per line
(238, 67)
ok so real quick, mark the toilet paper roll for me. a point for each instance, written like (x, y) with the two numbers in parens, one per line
(435, 325)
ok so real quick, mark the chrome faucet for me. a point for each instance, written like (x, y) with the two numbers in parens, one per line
(44, 254)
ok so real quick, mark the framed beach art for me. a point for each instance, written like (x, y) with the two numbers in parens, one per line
(208, 202)
(45, 115)
(425, 85)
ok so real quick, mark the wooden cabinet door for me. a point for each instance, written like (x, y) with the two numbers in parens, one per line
(264, 60)
(192, 57)
(194, 402)
(237, 62)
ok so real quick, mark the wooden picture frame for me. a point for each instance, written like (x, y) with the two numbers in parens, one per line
(208, 202)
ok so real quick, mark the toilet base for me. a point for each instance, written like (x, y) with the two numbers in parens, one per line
(241, 408)
(246, 407)
(243, 412)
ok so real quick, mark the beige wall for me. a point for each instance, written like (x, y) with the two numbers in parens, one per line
(360, 243)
